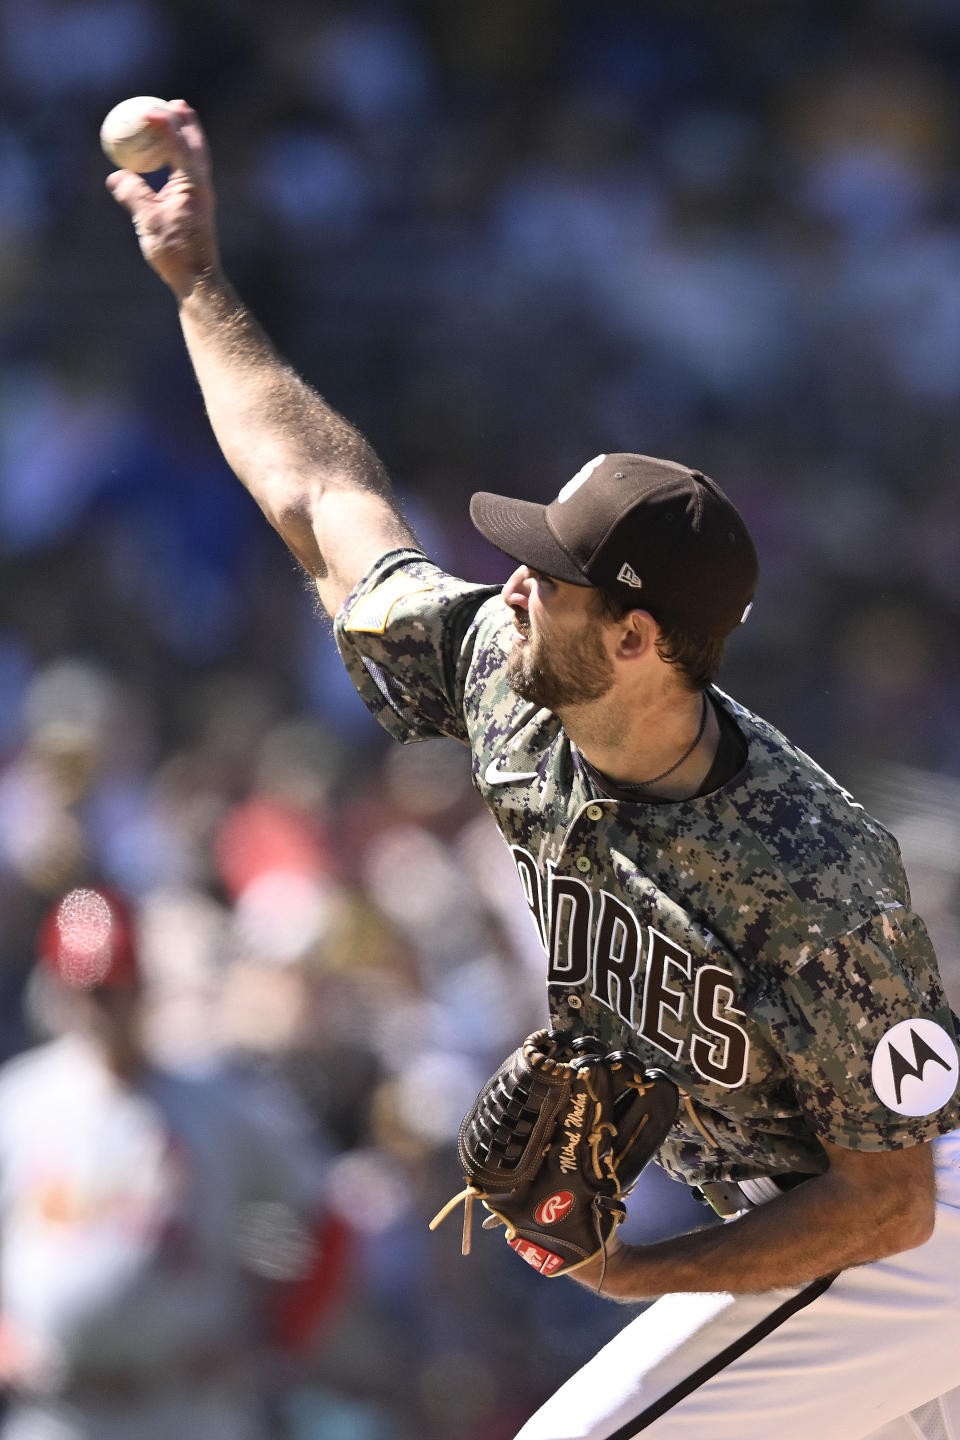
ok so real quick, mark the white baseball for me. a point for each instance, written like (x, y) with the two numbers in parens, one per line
(130, 140)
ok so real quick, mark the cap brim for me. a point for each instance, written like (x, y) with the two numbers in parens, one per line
(519, 528)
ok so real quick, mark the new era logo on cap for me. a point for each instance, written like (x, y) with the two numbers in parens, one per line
(628, 576)
(630, 523)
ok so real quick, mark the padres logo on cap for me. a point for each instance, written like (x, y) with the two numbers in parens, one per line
(584, 473)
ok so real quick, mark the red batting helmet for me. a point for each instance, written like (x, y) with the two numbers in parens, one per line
(87, 939)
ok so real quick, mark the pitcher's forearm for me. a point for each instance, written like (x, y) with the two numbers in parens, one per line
(866, 1206)
(313, 475)
(264, 415)
(283, 441)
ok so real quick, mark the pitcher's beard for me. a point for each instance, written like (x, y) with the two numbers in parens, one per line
(581, 674)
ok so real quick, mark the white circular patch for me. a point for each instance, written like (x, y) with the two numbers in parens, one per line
(584, 473)
(916, 1067)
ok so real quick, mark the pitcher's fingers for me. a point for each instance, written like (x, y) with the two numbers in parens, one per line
(131, 191)
(180, 155)
(192, 142)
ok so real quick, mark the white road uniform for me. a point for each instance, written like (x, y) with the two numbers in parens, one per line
(857, 1363)
(120, 1213)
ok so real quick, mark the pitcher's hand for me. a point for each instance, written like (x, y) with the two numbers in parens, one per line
(175, 225)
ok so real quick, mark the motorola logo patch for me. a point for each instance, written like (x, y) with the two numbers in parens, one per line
(916, 1067)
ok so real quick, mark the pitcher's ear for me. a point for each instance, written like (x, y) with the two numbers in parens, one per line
(638, 635)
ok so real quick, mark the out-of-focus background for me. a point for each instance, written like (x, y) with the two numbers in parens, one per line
(501, 237)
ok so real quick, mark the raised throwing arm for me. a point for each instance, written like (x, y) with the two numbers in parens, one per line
(314, 476)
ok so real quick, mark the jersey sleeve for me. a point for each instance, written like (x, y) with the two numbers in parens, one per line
(413, 640)
(870, 1038)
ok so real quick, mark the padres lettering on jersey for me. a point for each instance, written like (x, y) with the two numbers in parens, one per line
(757, 943)
(598, 943)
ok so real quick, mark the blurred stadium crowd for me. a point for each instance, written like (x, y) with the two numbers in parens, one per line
(500, 237)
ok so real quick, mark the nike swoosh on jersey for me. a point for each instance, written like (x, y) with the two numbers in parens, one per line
(495, 776)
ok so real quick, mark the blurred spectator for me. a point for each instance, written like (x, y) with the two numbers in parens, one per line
(144, 1214)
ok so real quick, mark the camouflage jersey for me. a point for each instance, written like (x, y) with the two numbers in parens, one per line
(757, 943)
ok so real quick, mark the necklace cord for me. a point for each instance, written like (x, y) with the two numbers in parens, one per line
(641, 784)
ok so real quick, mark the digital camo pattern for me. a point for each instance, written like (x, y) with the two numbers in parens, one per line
(756, 944)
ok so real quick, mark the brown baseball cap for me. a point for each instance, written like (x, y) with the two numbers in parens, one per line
(655, 534)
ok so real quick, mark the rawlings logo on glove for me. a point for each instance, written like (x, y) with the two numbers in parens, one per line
(555, 1140)
(549, 1211)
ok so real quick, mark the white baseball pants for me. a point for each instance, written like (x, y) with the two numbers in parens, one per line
(871, 1357)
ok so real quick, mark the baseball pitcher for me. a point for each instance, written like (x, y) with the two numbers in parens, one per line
(729, 939)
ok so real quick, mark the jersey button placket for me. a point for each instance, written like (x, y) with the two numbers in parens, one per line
(583, 864)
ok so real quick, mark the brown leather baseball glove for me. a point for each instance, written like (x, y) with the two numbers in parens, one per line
(555, 1140)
